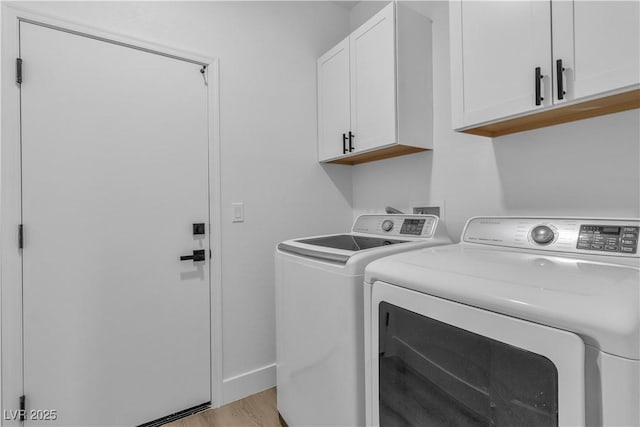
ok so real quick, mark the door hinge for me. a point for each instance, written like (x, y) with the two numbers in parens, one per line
(23, 407)
(20, 236)
(19, 71)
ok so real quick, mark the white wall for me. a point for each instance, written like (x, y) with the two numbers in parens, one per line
(364, 10)
(267, 53)
(584, 168)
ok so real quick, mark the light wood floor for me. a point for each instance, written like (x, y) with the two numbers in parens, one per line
(257, 410)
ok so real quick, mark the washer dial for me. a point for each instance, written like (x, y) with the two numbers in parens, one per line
(543, 234)
(387, 225)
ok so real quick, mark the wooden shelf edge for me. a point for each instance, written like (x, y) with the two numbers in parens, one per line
(581, 110)
(383, 153)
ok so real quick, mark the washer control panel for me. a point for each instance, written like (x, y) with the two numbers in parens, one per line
(594, 236)
(608, 238)
(398, 225)
(412, 226)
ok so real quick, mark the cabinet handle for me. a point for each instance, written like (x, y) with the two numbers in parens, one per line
(538, 82)
(559, 75)
(344, 143)
(351, 141)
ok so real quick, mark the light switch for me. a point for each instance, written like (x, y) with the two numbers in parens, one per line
(237, 212)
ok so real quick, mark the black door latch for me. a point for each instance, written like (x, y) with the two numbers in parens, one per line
(198, 255)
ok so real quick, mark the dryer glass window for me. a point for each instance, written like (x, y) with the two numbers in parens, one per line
(435, 374)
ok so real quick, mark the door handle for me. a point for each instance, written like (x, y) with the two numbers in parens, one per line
(538, 82)
(344, 143)
(351, 141)
(559, 74)
(198, 255)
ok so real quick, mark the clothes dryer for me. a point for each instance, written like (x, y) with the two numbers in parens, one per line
(527, 321)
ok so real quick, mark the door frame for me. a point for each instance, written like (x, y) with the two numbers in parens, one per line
(11, 357)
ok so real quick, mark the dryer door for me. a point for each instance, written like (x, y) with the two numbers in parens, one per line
(436, 362)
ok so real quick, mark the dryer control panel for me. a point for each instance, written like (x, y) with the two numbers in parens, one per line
(398, 225)
(596, 236)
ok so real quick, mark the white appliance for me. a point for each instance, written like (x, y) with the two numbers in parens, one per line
(527, 321)
(319, 315)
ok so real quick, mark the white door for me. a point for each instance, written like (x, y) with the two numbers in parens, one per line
(432, 359)
(114, 174)
(497, 47)
(598, 43)
(333, 102)
(373, 82)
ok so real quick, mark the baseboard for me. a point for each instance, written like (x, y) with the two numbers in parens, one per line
(248, 383)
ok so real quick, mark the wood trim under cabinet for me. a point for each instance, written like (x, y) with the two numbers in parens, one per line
(568, 113)
(378, 154)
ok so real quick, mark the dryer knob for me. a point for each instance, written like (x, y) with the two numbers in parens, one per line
(542, 234)
(387, 225)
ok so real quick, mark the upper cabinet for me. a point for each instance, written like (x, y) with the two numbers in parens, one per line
(527, 64)
(373, 82)
(375, 90)
(598, 45)
(496, 49)
(334, 105)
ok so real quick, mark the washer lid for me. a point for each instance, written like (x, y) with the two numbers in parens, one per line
(600, 301)
(327, 245)
(350, 242)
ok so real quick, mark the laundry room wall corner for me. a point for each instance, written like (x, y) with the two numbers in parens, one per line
(267, 54)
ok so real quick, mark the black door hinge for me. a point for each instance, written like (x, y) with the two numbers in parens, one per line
(20, 236)
(19, 71)
(23, 407)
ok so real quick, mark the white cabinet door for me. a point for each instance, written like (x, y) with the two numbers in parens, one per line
(373, 77)
(598, 43)
(333, 101)
(496, 48)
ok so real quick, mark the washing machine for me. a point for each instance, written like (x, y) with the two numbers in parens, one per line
(320, 317)
(525, 322)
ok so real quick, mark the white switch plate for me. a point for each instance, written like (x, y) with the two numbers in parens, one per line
(237, 212)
